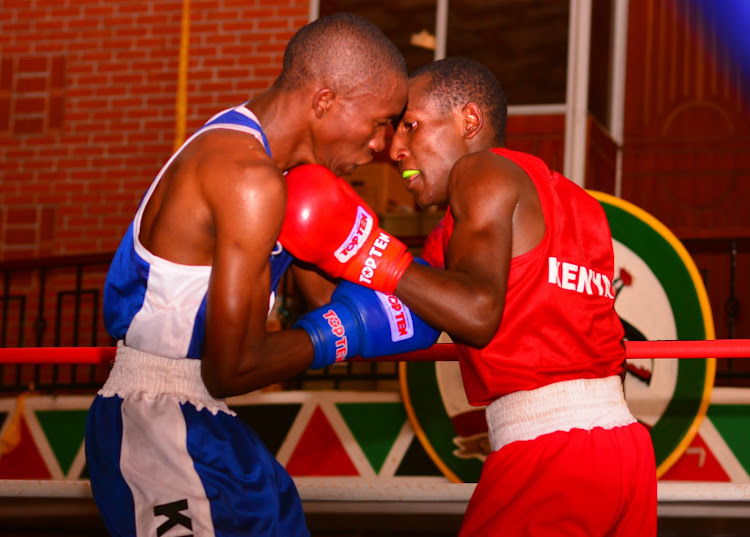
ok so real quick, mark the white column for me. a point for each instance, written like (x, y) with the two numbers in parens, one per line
(441, 29)
(617, 98)
(579, 42)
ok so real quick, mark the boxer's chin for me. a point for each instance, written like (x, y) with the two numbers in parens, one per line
(416, 185)
(419, 197)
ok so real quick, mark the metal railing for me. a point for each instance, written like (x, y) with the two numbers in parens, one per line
(727, 302)
(56, 301)
(52, 302)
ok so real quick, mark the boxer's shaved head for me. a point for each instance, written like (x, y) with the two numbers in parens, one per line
(456, 81)
(342, 51)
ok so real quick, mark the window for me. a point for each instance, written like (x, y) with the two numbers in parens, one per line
(523, 42)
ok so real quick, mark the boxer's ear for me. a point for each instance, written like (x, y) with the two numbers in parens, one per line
(322, 101)
(472, 120)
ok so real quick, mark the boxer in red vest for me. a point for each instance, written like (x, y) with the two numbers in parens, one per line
(524, 287)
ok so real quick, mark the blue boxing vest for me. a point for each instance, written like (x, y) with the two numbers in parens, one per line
(158, 306)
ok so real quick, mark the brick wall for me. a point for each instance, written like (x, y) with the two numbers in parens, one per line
(87, 104)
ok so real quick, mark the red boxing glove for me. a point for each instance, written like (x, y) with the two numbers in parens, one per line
(329, 225)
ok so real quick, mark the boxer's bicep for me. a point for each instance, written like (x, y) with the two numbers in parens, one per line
(480, 247)
(247, 208)
(481, 242)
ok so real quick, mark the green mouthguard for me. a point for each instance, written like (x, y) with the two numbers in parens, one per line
(409, 173)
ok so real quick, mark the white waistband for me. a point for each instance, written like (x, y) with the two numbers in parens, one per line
(137, 373)
(562, 406)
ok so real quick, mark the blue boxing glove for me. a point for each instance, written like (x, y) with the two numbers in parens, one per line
(361, 322)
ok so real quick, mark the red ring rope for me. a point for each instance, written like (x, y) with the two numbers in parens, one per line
(715, 348)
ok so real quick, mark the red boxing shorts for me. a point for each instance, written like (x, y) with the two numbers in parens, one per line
(577, 481)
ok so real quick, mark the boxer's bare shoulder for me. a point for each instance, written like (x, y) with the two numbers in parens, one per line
(215, 178)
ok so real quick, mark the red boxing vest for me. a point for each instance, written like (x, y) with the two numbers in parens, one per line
(435, 245)
(559, 321)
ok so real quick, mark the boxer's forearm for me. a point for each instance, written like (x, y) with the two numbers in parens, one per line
(452, 302)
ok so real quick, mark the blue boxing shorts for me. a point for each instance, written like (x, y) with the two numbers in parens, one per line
(166, 459)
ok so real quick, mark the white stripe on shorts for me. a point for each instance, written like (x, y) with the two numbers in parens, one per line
(158, 468)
